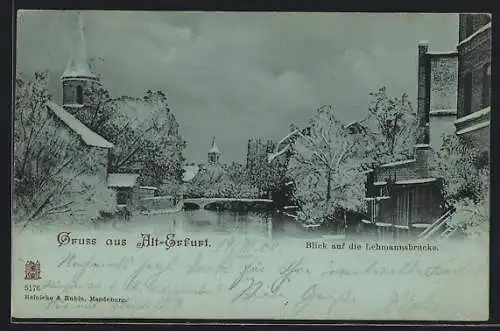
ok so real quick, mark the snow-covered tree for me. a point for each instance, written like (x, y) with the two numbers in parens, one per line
(326, 167)
(465, 174)
(463, 169)
(144, 131)
(221, 182)
(392, 124)
(237, 173)
(54, 173)
(261, 173)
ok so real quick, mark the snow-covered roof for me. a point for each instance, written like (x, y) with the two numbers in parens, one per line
(479, 31)
(383, 224)
(453, 52)
(78, 65)
(272, 156)
(88, 136)
(474, 127)
(189, 172)
(122, 180)
(474, 115)
(443, 112)
(148, 188)
(416, 181)
(73, 105)
(290, 134)
(384, 197)
(397, 163)
(402, 227)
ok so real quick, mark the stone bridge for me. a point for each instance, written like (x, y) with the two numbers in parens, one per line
(203, 202)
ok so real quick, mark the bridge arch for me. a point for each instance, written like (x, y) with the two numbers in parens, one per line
(189, 205)
(203, 203)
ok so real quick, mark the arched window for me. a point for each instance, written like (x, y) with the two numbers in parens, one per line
(79, 95)
(486, 90)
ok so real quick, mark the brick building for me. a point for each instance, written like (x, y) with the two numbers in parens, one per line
(443, 85)
(402, 197)
(474, 80)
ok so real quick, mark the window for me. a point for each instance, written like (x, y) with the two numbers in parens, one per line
(467, 93)
(79, 95)
(122, 197)
(486, 89)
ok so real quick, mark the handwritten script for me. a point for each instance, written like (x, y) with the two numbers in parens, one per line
(234, 277)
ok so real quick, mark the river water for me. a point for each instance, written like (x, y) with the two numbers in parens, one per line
(265, 224)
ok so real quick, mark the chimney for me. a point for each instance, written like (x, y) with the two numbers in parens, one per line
(423, 97)
(422, 147)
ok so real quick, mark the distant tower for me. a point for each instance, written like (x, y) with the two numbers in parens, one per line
(213, 153)
(77, 77)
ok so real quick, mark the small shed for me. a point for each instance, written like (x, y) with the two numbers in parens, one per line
(126, 187)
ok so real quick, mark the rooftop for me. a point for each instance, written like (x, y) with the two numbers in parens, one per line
(88, 136)
(416, 181)
(443, 112)
(475, 34)
(122, 180)
(397, 163)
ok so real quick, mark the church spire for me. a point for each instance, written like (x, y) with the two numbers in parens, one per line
(213, 147)
(78, 65)
(214, 153)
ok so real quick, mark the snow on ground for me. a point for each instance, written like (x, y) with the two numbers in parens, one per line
(246, 275)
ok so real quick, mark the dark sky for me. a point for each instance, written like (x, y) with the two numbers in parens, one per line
(241, 75)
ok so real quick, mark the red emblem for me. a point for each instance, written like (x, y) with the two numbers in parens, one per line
(32, 270)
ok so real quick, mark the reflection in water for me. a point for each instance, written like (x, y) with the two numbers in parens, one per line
(229, 222)
(268, 224)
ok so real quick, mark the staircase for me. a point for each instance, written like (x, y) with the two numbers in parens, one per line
(438, 230)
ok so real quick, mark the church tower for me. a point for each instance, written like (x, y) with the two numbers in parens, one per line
(213, 153)
(77, 77)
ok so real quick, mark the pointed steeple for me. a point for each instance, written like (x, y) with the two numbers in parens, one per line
(213, 147)
(78, 65)
(213, 153)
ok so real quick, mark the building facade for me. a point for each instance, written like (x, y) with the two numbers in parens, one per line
(474, 80)
(77, 81)
(126, 187)
(402, 197)
(257, 153)
(443, 84)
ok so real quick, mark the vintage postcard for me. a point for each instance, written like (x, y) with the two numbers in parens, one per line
(251, 165)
